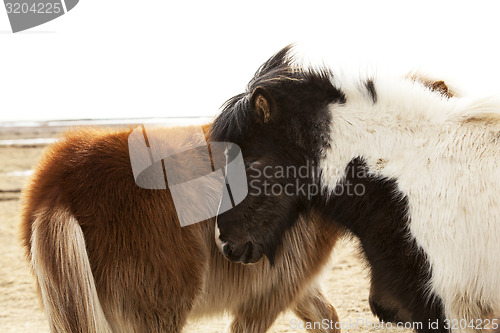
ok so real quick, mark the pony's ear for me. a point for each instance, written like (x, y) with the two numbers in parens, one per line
(442, 88)
(262, 104)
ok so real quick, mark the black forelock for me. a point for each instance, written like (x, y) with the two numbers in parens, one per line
(233, 121)
(280, 60)
(236, 116)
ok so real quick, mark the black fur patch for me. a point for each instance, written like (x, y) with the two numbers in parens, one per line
(379, 218)
(371, 90)
(384, 313)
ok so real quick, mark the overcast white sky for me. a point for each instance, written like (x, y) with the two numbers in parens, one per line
(121, 58)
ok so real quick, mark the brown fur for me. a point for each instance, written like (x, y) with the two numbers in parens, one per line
(109, 256)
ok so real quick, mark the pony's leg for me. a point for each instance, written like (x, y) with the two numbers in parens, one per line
(253, 320)
(147, 298)
(381, 308)
(314, 308)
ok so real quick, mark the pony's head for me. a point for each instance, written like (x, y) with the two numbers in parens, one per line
(271, 122)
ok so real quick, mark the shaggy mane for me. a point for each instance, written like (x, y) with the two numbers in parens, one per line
(280, 71)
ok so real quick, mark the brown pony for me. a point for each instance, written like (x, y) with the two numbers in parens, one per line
(109, 256)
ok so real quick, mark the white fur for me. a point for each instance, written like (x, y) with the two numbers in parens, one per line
(443, 154)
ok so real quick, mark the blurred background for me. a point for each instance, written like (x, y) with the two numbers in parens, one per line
(119, 63)
(123, 59)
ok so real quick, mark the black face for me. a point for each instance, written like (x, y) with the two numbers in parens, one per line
(256, 226)
(272, 123)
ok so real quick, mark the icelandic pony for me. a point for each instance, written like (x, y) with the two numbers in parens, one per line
(110, 256)
(411, 172)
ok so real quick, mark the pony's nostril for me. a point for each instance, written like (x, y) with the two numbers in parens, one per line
(226, 249)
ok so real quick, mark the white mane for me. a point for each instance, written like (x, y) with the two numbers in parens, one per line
(412, 100)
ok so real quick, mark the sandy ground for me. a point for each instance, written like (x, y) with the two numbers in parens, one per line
(344, 281)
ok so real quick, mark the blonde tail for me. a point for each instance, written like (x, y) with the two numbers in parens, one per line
(61, 265)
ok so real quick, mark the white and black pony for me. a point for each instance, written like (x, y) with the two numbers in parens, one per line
(411, 172)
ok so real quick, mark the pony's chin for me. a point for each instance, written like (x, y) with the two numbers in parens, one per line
(251, 260)
(251, 255)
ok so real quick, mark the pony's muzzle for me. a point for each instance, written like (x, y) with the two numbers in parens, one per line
(242, 254)
(220, 244)
(236, 253)
(226, 250)
(224, 247)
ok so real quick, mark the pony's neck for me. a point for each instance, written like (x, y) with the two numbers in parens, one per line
(403, 116)
(405, 122)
